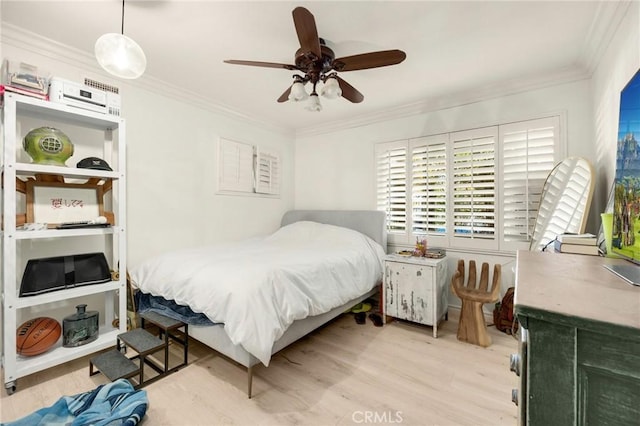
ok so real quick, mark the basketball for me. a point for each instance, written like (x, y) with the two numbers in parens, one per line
(37, 336)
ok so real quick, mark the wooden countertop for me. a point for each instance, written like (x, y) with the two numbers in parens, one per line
(575, 286)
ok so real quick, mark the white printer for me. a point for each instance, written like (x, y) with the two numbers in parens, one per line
(83, 96)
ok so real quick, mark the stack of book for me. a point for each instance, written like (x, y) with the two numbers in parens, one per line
(24, 81)
(577, 243)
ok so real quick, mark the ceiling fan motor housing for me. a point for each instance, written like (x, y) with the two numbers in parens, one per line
(315, 67)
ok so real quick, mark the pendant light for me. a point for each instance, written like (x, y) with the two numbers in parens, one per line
(119, 55)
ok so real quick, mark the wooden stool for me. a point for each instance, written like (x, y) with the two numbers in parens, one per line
(472, 328)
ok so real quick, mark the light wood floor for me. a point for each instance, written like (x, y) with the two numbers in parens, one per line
(342, 374)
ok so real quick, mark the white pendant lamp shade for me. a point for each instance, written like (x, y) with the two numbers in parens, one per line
(121, 56)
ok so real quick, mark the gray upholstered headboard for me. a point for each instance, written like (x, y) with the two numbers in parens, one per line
(372, 223)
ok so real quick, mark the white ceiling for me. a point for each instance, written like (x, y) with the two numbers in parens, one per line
(453, 47)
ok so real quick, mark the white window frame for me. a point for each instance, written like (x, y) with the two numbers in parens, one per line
(392, 237)
(433, 238)
(267, 172)
(497, 133)
(487, 137)
(534, 184)
(245, 169)
(235, 166)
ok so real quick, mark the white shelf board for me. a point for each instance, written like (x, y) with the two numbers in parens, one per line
(59, 354)
(60, 112)
(31, 169)
(57, 233)
(55, 296)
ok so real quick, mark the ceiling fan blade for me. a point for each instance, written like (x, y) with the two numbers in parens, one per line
(349, 92)
(307, 32)
(363, 61)
(261, 64)
(285, 96)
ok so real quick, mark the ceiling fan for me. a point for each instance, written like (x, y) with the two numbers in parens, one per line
(318, 63)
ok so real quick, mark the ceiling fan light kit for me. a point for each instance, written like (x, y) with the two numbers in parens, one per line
(298, 93)
(314, 103)
(331, 88)
(319, 65)
(120, 55)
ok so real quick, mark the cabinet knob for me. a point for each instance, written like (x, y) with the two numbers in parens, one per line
(514, 396)
(514, 364)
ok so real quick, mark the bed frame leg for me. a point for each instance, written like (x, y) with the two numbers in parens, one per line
(249, 380)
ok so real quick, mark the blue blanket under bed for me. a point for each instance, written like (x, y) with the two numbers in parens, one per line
(145, 302)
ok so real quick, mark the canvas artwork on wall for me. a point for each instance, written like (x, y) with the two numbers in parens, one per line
(626, 207)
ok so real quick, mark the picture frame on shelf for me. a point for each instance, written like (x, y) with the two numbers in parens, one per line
(54, 203)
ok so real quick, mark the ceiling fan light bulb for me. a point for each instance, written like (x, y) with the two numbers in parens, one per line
(331, 89)
(298, 93)
(120, 55)
(314, 103)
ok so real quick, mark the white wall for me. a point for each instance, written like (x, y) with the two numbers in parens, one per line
(336, 169)
(619, 63)
(172, 158)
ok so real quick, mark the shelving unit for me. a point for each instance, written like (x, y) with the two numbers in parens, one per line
(108, 142)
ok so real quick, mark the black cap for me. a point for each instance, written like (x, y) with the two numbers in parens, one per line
(93, 163)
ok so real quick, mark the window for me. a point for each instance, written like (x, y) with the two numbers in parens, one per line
(429, 187)
(473, 188)
(529, 152)
(244, 168)
(391, 166)
(267, 173)
(476, 188)
(235, 171)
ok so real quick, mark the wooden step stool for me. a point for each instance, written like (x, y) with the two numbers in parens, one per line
(116, 365)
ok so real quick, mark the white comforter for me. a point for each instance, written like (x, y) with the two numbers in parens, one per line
(258, 288)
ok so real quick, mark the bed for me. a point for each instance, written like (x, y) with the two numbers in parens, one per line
(314, 250)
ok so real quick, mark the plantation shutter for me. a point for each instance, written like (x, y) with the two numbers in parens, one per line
(474, 185)
(391, 185)
(529, 153)
(235, 166)
(429, 185)
(267, 171)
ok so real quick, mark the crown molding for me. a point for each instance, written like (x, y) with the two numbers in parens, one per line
(606, 20)
(485, 93)
(23, 39)
(605, 23)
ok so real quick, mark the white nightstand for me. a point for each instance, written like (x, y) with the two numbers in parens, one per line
(415, 289)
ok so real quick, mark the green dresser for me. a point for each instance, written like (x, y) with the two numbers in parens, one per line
(580, 363)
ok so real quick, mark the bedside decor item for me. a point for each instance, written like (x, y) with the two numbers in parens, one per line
(37, 336)
(80, 328)
(47, 145)
(421, 247)
(119, 55)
